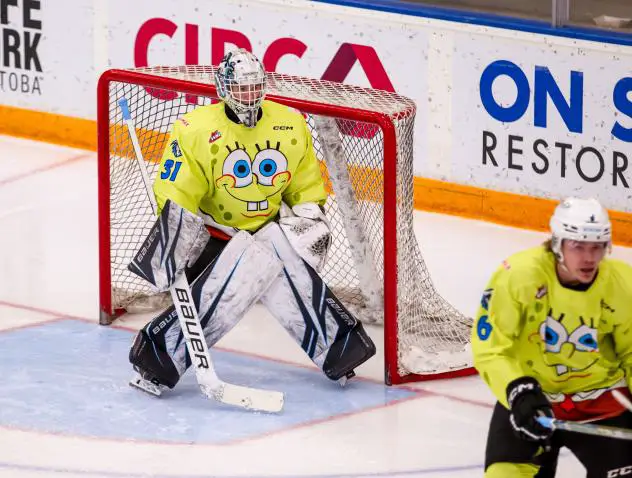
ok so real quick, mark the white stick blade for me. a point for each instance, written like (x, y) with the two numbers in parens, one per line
(252, 398)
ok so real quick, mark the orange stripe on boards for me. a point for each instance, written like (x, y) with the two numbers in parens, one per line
(152, 143)
(504, 208)
(48, 127)
(77, 132)
(621, 227)
(429, 194)
(367, 182)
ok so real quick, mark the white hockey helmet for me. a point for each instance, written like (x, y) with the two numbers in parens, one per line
(583, 220)
(241, 83)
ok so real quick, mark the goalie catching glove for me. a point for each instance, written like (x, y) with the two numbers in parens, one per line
(307, 229)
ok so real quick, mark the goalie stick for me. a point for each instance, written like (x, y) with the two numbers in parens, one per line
(586, 428)
(210, 384)
(622, 399)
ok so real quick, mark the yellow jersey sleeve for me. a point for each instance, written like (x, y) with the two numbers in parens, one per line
(307, 183)
(622, 331)
(623, 348)
(495, 333)
(180, 176)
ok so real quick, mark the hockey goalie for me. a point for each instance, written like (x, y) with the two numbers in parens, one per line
(239, 194)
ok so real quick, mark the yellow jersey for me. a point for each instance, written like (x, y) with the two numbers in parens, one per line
(577, 344)
(237, 175)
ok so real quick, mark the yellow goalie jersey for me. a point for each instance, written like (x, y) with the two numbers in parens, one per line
(577, 344)
(237, 175)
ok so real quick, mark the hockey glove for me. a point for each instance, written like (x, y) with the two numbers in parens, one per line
(307, 229)
(526, 402)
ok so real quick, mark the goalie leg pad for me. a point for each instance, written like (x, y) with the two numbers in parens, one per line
(149, 354)
(299, 299)
(225, 290)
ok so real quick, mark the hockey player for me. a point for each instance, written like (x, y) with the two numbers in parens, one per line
(553, 337)
(245, 167)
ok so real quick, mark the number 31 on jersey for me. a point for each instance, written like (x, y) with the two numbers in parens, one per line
(171, 169)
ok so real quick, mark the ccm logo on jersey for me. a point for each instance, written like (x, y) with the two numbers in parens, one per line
(625, 471)
(282, 128)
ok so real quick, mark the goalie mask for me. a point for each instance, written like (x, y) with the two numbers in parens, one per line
(241, 83)
(582, 220)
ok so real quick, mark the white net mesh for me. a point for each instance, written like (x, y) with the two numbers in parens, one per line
(432, 335)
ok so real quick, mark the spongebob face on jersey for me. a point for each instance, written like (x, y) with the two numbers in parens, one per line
(254, 180)
(569, 341)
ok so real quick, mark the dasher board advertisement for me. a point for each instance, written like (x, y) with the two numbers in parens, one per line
(542, 119)
(44, 64)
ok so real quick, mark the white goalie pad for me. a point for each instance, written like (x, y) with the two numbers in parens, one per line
(308, 231)
(174, 242)
(226, 290)
(298, 298)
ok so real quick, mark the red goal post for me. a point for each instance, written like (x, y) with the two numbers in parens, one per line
(363, 139)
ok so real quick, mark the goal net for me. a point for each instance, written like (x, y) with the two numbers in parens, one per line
(363, 139)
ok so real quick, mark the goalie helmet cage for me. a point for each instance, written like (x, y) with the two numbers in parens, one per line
(363, 139)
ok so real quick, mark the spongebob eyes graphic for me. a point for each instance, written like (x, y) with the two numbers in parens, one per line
(237, 169)
(564, 346)
(267, 163)
(253, 181)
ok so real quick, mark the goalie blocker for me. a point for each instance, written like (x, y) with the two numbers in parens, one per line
(228, 277)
